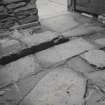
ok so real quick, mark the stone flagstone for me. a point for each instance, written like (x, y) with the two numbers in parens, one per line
(9, 46)
(95, 57)
(62, 52)
(18, 70)
(80, 65)
(38, 38)
(100, 41)
(61, 86)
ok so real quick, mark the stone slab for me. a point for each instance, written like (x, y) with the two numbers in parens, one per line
(18, 70)
(9, 46)
(62, 52)
(100, 42)
(96, 98)
(73, 48)
(95, 57)
(38, 38)
(82, 30)
(80, 65)
(60, 23)
(59, 87)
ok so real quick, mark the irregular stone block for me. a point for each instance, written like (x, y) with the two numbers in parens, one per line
(95, 57)
(97, 78)
(64, 51)
(18, 70)
(100, 42)
(25, 8)
(47, 58)
(73, 48)
(61, 86)
(12, 95)
(80, 65)
(82, 30)
(18, 35)
(29, 19)
(15, 5)
(9, 46)
(22, 14)
(9, 1)
(96, 98)
(38, 38)
(7, 22)
(60, 23)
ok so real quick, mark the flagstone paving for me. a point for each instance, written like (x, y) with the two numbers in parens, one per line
(64, 74)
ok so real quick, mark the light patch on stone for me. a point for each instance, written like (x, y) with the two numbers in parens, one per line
(59, 87)
(18, 70)
(95, 57)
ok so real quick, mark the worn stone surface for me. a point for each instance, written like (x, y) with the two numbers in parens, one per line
(60, 23)
(79, 65)
(32, 84)
(18, 70)
(38, 38)
(82, 30)
(9, 46)
(44, 6)
(100, 41)
(62, 52)
(73, 48)
(95, 57)
(97, 78)
(15, 93)
(59, 87)
(48, 57)
(12, 95)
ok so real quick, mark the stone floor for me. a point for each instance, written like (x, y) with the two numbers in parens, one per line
(53, 76)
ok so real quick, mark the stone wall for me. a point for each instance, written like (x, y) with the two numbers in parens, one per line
(13, 12)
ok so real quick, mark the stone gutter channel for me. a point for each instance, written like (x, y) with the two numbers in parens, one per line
(32, 50)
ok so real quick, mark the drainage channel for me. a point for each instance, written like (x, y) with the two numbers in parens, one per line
(32, 50)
